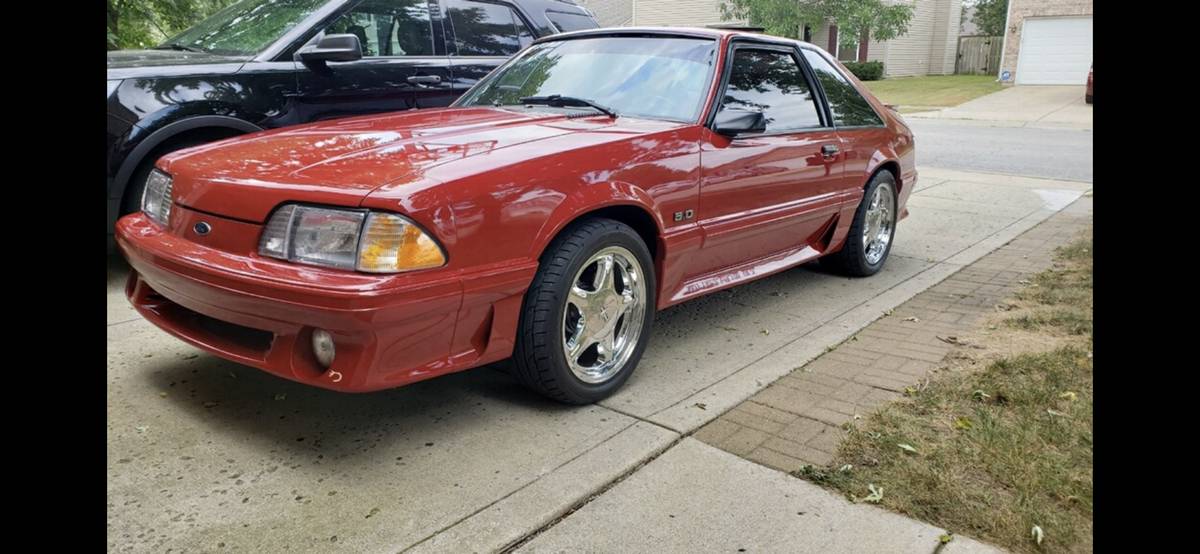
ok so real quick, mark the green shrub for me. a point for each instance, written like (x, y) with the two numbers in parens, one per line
(866, 71)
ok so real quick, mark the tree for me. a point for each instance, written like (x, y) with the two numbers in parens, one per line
(145, 23)
(855, 19)
(991, 16)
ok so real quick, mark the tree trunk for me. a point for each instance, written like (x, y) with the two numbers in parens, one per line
(864, 41)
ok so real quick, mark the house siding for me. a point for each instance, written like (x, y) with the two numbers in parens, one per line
(929, 47)
(611, 13)
(1019, 10)
(680, 13)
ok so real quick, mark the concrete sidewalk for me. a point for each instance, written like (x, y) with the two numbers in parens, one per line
(205, 455)
(695, 497)
(1023, 106)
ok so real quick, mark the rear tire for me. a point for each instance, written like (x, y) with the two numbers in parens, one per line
(582, 329)
(871, 233)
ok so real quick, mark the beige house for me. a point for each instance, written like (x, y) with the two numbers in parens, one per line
(929, 47)
(1047, 42)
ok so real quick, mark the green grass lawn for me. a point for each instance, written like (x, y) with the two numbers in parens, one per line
(933, 91)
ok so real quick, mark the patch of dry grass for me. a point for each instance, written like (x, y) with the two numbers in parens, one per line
(999, 450)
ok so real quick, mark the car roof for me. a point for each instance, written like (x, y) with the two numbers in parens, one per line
(693, 32)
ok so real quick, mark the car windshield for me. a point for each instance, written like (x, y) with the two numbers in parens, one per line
(244, 28)
(655, 78)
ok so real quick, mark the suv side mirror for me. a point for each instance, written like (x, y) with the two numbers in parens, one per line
(732, 122)
(331, 48)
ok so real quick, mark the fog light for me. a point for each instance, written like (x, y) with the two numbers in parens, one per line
(322, 343)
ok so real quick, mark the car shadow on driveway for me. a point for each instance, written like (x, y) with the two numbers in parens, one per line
(239, 401)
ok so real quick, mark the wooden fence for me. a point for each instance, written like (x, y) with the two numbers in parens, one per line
(978, 55)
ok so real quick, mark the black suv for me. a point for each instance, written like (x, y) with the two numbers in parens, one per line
(261, 64)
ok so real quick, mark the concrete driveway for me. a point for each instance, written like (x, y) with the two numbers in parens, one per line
(1023, 106)
(207, 455)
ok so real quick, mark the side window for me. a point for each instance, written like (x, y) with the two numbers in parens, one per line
(849, 108)
(486, 29)
(770, 81)
(567, 22)
(389, 27)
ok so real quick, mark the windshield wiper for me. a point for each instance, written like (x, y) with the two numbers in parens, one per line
(174, 46)
(558, 101)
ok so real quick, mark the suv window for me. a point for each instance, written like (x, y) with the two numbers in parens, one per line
(567, 22)
(389, 27)
(245, 28)
(771, 81)
(486, 29)
(849, 108)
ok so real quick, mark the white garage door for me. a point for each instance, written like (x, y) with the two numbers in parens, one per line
(1055, 51)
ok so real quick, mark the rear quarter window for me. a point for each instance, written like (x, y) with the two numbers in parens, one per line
(567, 22)
(849, 107)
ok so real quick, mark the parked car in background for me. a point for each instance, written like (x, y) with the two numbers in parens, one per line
(597, 177)
(1087, 96)
(262, 64)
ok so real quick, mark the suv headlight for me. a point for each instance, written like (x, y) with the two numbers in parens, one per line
(374, 242)
(156, 198)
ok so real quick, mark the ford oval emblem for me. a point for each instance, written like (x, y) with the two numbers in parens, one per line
(202, 228)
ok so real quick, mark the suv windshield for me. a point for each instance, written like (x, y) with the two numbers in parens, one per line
(655, 78)
(244, 28)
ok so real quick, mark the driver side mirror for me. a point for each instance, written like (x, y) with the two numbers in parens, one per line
(331, 48)
(732, 122)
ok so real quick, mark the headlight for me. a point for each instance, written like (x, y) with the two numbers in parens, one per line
(374, 242)
(156, 198)
(112, 86)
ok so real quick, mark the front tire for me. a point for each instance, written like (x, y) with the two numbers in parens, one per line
(587, 315)
(870, 239)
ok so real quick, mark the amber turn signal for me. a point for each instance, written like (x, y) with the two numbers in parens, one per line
(391, 243)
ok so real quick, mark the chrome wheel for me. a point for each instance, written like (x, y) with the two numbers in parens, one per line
(880, 218)
(605, 308)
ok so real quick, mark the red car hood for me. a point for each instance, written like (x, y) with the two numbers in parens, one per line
(340, 162)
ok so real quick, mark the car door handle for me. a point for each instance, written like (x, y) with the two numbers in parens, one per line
(829, 151)
(425, 80)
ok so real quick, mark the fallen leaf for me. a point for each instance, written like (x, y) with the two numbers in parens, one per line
(945, 538)
(701, 405)
(845, 468)
(980, 395)
(1037, 534)
(876, 493)
(766, 331)
(1056, 413)
(372, 512)
(913, 319)
(910, 391)
(1068, 396)
(907, 448)
(889, 312)
(141, 428)
(962, 423)
(162, 394)
(729, 328)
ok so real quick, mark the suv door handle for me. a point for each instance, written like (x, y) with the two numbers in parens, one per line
(424, 80)
(829, 151)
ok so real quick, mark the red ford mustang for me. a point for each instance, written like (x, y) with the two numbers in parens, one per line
(595, 178)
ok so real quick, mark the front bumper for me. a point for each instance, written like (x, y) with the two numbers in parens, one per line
(389, 330)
